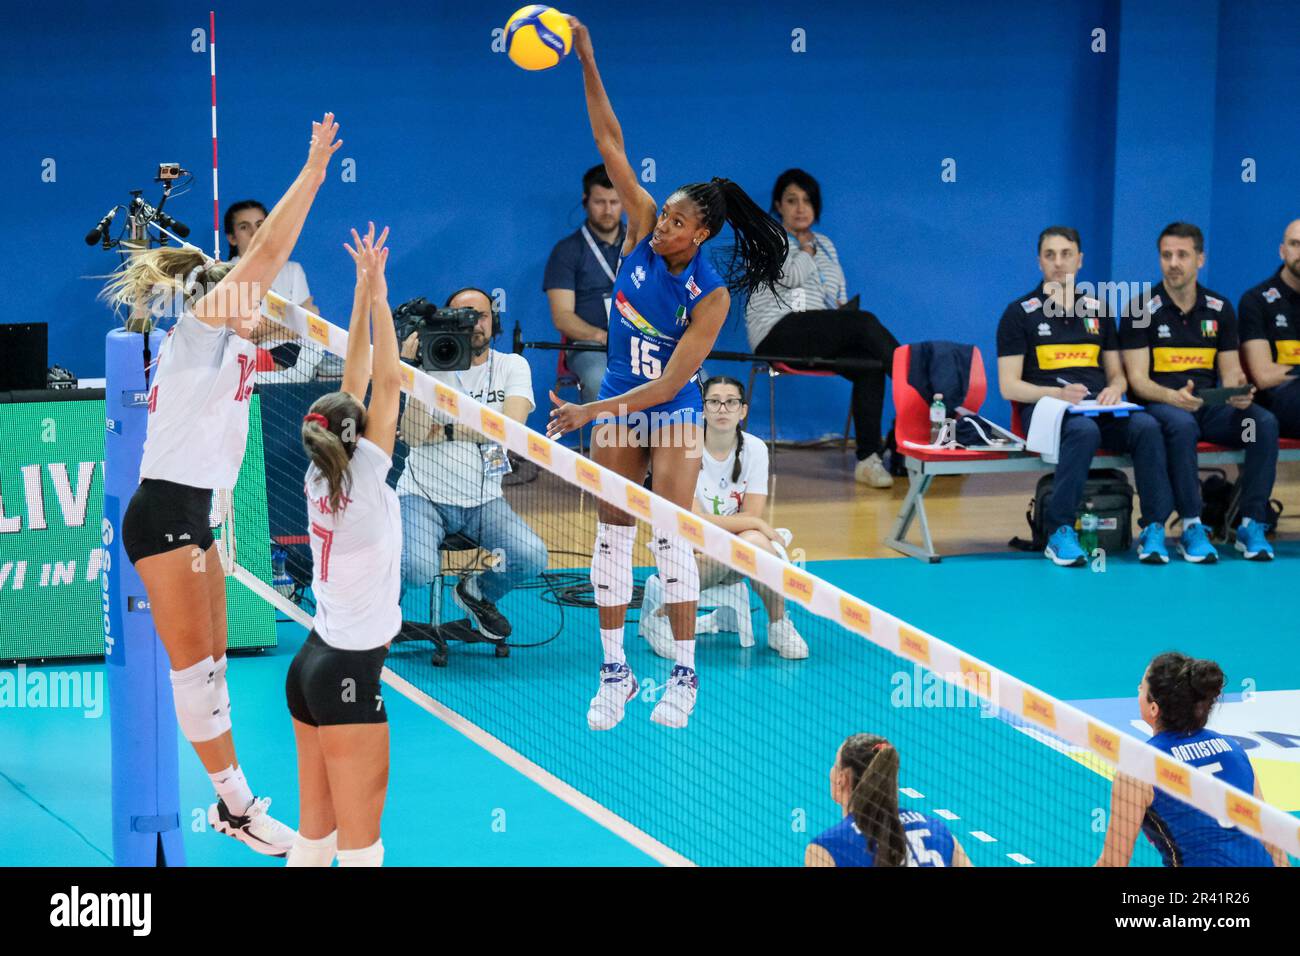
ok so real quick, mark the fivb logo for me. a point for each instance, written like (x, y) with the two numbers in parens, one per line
(72, 909)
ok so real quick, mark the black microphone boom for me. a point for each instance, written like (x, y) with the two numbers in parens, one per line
(97, 233)
(175, 226)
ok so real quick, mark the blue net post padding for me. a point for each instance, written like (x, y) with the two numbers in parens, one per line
(146, 787)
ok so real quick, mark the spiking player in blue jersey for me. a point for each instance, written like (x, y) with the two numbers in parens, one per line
(874, 831)
(669, 304)
(1175, 697)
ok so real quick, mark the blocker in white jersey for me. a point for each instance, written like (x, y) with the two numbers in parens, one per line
(715, 490)
(356, 554)
(198, 406)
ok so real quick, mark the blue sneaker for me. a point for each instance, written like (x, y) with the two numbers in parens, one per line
(1252, 543)
(1195, 545)
(1151, 544)
(1063, 548)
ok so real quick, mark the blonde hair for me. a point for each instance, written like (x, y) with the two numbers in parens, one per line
(331, 448)
(146, 276)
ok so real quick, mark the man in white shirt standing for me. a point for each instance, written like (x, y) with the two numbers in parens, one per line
(452, 481)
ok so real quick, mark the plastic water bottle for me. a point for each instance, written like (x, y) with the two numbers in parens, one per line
(280, 579)
(938, 412)
(1088, 523)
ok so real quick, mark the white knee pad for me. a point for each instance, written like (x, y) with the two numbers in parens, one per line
(222, 690)
(677, 568)
(198, 709)
(611, 564)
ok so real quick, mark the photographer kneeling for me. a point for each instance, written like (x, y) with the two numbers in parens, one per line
(452, 481)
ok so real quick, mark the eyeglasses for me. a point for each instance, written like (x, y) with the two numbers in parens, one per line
(717, 404)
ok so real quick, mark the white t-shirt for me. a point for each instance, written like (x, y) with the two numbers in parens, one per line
(714, 489)
(356, 554)
(452, 473)
(198, 405)
(291, 282)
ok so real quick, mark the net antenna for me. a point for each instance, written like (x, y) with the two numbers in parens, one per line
(212, 68)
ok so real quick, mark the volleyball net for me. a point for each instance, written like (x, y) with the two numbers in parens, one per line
(1017, 777)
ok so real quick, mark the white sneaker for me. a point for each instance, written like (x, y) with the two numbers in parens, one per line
(785, 640)
(871, 471)
(675, 706)
(254, 827)
(654, 627)
(617, 687)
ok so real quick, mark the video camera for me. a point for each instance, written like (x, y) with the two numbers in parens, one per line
(444, 334)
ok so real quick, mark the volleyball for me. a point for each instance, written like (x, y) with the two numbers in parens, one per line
(538, 37)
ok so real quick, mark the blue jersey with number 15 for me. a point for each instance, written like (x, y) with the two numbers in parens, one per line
(649, 314)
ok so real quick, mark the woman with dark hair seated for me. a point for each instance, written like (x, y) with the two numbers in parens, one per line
(809, 315)
(1175, 698)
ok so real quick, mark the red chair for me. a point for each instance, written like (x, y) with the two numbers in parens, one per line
(774, 371)
(913, 411)
(565, 377)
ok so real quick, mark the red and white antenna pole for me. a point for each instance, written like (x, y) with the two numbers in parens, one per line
(212, 60)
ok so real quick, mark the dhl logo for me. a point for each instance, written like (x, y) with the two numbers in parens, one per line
(1067, 356)
(975, 676)
(638, 501)
(914, 644)
(408, 377)
(494, 424)
(273, 306)
(318, 330)
(1104, 742)
(742, 556)
(539, 449)
(1175, 360)
(588, 475)
(1039, 708)
(445, 399)
(796, 584)
(691, 529)
(1243, 811)
(1288, 351)
(855, 615)
(1173, 776)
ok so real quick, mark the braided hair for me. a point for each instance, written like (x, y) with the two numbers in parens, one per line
(758, 254)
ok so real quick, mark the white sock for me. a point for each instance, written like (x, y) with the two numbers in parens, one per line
(1245, 522)
(320, 852)
(611, 639)
(685, 653)
(232, 788)
(1188, 522)
(372, 855)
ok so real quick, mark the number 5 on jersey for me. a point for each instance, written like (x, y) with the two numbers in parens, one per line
(645, 361)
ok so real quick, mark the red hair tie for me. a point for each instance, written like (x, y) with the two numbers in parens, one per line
(881, 746)
(318, 418)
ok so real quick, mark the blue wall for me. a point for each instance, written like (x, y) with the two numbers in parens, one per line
(475, 163)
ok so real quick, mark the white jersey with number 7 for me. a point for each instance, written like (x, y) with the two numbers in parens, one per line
(356, 554)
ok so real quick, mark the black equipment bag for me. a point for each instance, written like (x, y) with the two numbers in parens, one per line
(1112, 502)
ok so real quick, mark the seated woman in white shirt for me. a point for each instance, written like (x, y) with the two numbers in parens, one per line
(279, 360)
(810, 315)
(731, 492)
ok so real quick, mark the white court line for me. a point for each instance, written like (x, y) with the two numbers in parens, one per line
(506, 754)
(946, 815)
(983, 837)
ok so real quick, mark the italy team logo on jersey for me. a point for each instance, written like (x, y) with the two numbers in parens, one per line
(636, 319)
(1092, 326)
(1209, 328)
(681, 315)
(692, 288)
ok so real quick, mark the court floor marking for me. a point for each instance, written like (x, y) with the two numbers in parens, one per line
(552, 784)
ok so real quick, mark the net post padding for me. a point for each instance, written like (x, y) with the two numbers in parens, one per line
(1097, 744)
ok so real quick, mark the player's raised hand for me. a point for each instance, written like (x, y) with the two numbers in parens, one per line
(323, 144)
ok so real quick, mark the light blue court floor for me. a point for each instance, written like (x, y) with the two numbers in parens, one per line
(746, 783)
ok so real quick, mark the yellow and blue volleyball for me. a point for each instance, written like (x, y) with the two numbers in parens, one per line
(538, 37)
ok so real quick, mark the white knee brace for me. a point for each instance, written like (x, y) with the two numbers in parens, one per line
(223, 691)
(611, 564)
(677, 568)
(198, 708)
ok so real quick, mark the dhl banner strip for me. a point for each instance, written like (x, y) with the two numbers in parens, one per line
(1116, 748)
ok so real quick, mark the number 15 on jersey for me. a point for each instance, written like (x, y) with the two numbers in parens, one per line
(645, 358)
